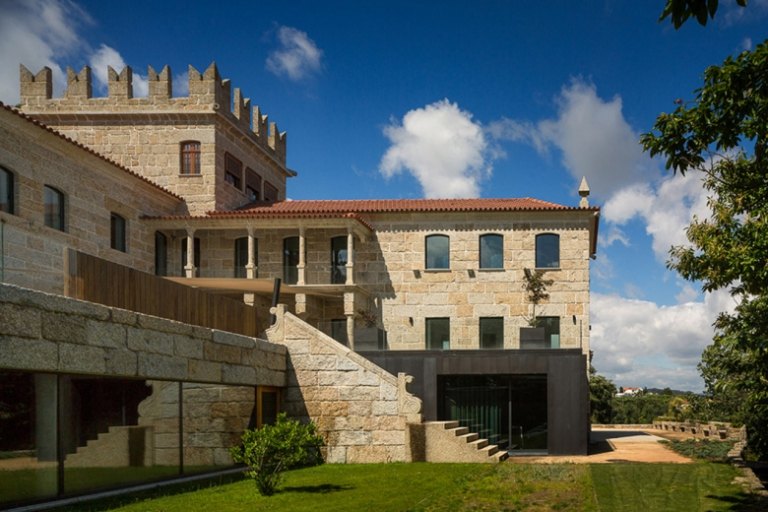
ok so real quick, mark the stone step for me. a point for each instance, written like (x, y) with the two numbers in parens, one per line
(479, 443)
(468, 438)
(490, 449)
(450, 424)
(459, 431)
(501, 456)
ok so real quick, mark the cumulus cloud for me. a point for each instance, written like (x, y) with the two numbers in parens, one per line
(666, 209)
(297, 57)
(107, 56)
(442, 147)
(37, 33)
(590, 134)
(639, 343)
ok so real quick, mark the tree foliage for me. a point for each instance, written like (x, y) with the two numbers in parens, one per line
(723, 134)
(536, 287)
(679, 11)
(272, 449)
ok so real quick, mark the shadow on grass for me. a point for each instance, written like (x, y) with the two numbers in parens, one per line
(744, 502)
(317, 489)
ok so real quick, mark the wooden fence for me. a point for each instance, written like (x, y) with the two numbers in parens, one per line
(97, 280)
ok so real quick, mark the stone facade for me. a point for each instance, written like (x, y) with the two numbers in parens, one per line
(145, 134)
(362, 411)
(93, 189)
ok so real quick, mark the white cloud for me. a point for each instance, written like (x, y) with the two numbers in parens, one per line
(592, 136)
(37, 33)
(298, 55)
(107, 56)
(639, 343)
(666, 209)
(442, 147)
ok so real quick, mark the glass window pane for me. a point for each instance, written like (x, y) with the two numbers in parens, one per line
(339, 260)
(117, 432)
(551, 325)
(547, 251)
(54, 208)
(291, 260)
(27, 437)
(491, 251)
(438, 333)
(117, 232)
(437, 252)
(492, 333)
(241, 256)
(6, 191)
(161, 254)
(339, 331)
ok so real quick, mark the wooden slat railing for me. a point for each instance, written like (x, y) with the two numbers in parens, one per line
(98, 280)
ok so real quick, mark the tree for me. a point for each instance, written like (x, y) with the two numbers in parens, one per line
(680, 10)
(272, 449)
(723, 134)
(725, 370)
(536, 286)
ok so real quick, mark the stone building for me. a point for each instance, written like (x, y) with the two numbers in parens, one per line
(192, 189)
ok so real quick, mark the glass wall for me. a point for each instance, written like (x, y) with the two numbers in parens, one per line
(70, 434)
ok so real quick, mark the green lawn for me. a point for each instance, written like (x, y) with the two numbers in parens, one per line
(465, 487)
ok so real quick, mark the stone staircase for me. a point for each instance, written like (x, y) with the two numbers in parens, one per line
(446, 441)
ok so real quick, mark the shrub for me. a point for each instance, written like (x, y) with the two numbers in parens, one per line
(272, 449)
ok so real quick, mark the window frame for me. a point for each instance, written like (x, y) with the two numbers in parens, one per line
(339, 265)
(430, 325)
(487, 320)
(546, 322)
(233, 171)
(189, 158)
(481, 263)
(118, 232)
(57, 220)
(543, 259)
(7, 180)
(270, 192)
(428, 251)
(240, 259)
(291, 276)
(253, 181)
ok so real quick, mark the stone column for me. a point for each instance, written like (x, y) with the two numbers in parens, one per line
(350, 258)
(351, 331)
(302, 263)
(189, 268)
(251, 270)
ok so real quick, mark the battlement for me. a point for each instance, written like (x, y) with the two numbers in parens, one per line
(208, 93)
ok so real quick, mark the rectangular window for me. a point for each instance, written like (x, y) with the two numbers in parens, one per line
(291, 260)
(54, 208)
(339, 260)
(161, 254)
(547, 251)
(233, 171)
(190, 157)
(6, 191)
(339, 330)
(438, 333)
(252, 185)
(551, 325)
(270, 192)
(117, 232)
(492, 333)
(241, 256)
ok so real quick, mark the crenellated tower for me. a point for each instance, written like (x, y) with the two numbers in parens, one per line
(211, 146)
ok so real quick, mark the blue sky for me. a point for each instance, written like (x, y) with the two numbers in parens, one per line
(446, 99)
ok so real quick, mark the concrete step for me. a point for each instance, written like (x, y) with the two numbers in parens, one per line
(459, 431)
(468, 438)
(490, 449)
(479, 443)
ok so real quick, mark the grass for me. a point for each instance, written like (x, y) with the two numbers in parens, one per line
(702, 449)
(423, 487)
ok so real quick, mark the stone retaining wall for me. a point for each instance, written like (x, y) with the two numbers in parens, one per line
(361, 410)
(51, 333)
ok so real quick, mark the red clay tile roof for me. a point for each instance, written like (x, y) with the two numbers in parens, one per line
(86, 148)
(393, 206)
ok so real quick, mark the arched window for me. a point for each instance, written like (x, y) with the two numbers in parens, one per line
(6, 191)
(190, 157)
(491, 251)
(117, 232)
(291, 260)
(438, 248)
(547, 251)
(53, 200)
(339, 260)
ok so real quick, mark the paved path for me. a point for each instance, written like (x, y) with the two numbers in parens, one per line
(615, 445)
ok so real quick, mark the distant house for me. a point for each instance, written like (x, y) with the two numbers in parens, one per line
(394, 313)
(628, 391)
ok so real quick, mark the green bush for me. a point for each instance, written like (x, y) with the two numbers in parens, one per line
(704, 449)
(272, 449)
